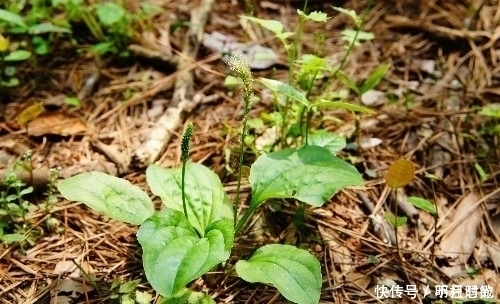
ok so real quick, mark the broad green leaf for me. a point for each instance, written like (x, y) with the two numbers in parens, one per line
(47, 27)
(310, 174)
(422, 204)
(110, 13)
(344, 105)
(351, 13)
(400, 173)
(18, 55)
(333, 142)
(188, 296)
(109, 195)
(13, 18)
(395, 221)
(294, 272)
(375, 77)
(314, 16)
(204, 192)
(285, 89)
(273, 25)
(174, 254)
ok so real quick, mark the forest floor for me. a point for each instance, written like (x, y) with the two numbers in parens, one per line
(433, 107)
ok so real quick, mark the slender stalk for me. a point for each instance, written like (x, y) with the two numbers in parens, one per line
(240, 165)
(183, 187)
(242, 69)
(244, 218)
(303, 108)
(185, 148)
(434, 233)
(396, 222)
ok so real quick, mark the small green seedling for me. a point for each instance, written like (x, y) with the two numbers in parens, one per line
(9, 59)
(423, 204)
(127, 293)
(483, 176)
(196, 229)
(492, 111)
(14, 208)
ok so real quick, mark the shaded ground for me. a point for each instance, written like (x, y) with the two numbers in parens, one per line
(445, 68)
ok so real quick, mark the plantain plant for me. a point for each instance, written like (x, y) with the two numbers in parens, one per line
(197, 226)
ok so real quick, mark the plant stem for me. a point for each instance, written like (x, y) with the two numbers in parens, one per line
(242, 69)
(303, 108)
(240, 165)
(396, 223)
(248, 213)
(434, 233)
(183, 190)
(349, 48)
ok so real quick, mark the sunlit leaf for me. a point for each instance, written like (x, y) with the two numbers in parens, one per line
(13, 18)
(375, 77)
(422, 204)
(400, 173)
(18, 55)
(109, 195)
(274, 26)
(188, 296)
(310, 174)
(205, 196)
(482, 174)
(333, 142)
(47, 27)
(491, 110)
(12, 238)
(110, 13)
(344, 105)
(285, 89)
(395, 221)
(174, 254)
(314, 16)
(351, 13)
(294, 272)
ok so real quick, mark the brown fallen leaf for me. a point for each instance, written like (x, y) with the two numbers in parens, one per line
(56, 123)
(461, 236)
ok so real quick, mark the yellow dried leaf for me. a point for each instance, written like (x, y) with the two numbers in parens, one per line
(4, 43)
(400, 173)
(30, 113)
